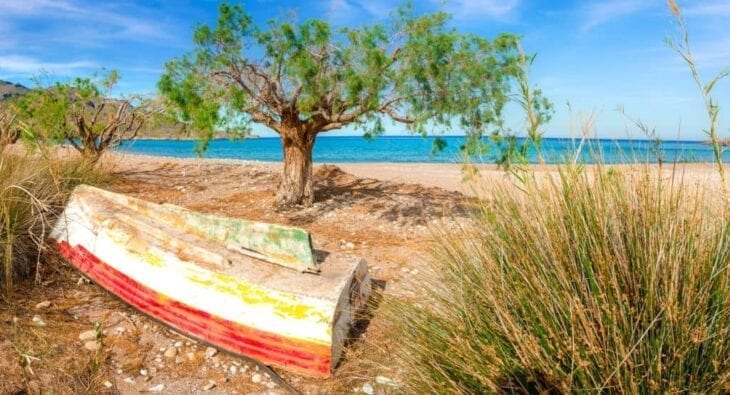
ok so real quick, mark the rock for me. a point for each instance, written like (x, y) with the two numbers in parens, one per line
(108, 384)
(178, 344)
(256, 378)
(157, 388)
(143, 372)
(42, 305)
(233, 369)
(87, 336)
(349, 246)
(38, 320)
(92, 345)
(368, 389)
(190, 355)
(210, 352)
(129, 380)
(179, 359)
(170, 353)
(386, 381)
(209, 386)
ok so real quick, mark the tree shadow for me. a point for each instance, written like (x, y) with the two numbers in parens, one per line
(410, 204)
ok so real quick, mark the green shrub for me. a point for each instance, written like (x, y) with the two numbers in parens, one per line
(589, 282)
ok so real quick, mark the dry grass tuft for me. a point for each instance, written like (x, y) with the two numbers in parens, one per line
(596, 281)
(32, 191)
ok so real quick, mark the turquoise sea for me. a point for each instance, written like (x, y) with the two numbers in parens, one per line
(418, 149)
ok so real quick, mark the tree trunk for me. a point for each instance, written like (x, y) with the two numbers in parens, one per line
(296, 187)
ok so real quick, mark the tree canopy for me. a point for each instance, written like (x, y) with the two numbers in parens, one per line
(81, 113)
(304, 79)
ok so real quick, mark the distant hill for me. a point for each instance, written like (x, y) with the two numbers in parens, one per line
(9, 89)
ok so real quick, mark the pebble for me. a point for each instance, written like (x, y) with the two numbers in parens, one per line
(210, 352)
(386, 381)
(233, 369)
(143, 372)
(38, 320)
(91, 345)
(368, 389)
(178, 344)
(179, 359)
(256, 378)
(108, 384)
(129, 380)
(42, 305)
(209, 386)
(157, 388)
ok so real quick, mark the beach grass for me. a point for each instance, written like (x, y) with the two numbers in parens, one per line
(33, 190)
(592, 280)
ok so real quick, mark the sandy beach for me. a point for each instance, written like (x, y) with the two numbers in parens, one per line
(383, 212)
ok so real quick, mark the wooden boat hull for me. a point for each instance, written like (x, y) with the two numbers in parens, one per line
(297, 321)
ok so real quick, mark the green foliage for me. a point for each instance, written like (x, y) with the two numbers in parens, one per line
(706, 88)
(592, 282)
(81, 113)
(513, 153)
(415, 70)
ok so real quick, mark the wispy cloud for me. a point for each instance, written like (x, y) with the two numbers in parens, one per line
(473, 9)
(106, 18)
(24, 65)
(601, 12)
(715, 8)
(341, 11)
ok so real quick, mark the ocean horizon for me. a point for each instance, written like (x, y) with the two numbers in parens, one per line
(417, 149)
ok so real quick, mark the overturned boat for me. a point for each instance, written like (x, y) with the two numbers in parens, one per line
(249, 288)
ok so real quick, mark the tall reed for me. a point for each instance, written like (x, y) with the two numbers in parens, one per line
(586, 281)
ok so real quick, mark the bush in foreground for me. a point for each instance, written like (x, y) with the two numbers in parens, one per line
(591, 282)
(32, 191)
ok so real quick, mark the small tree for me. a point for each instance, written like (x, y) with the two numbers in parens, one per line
(83, 114)
(303, 80)
(9, 132)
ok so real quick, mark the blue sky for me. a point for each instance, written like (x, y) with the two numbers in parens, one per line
(597, 55)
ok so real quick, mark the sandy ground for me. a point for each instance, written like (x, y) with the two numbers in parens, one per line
(383, 212)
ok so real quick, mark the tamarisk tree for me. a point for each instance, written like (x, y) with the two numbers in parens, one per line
(304, 79)
(82, 113)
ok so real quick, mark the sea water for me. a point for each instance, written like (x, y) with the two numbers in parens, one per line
(413, 149)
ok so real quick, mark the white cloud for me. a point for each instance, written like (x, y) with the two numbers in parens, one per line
(716, 8)
(122, 25)
(463, 10)
(341, 11)
(600, 12)
(468, 9)
(24, 65)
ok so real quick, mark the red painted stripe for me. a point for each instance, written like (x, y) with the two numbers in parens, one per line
(299, 356)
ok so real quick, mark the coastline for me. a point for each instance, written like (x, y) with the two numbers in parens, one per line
(446, 176)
